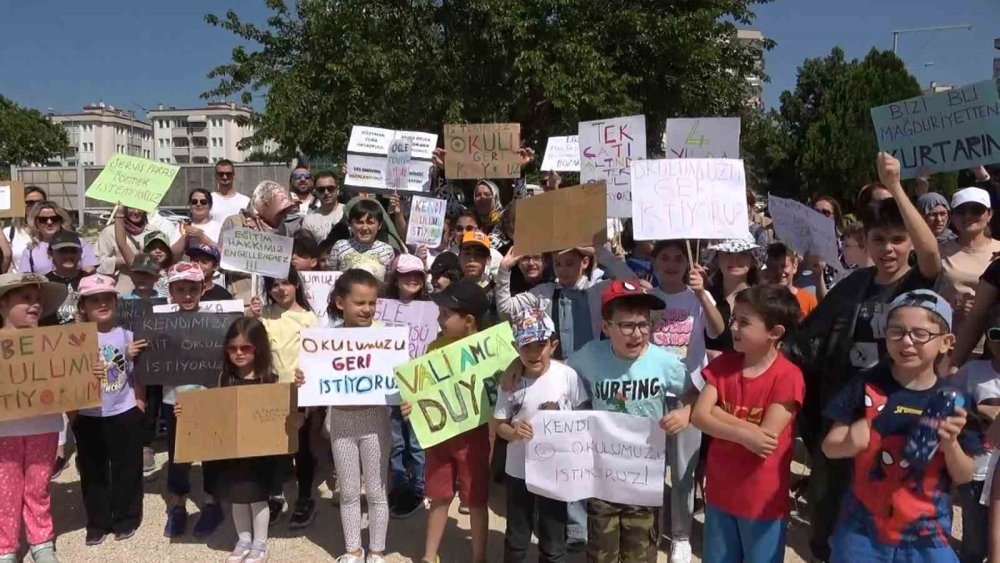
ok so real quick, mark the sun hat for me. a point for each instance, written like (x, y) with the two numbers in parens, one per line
(95, 284)
(53, 294)
(925, 299)
(409, 263)
(734, 246)
(185, 271)
(532, 325)
(971, 195)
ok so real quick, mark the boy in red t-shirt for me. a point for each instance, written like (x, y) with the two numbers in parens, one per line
(748, 405)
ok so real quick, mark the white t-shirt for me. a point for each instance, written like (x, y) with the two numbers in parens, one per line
(223, 207)
(559, 385)
(680, 328)
(979, 379)
(319, 224)
(19, 241)
(212, 229)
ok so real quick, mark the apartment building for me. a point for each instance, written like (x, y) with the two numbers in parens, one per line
(200, 135)
(101, 131)
(749, 36)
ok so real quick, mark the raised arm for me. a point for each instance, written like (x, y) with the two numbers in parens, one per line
(925, 244)
(121, 240)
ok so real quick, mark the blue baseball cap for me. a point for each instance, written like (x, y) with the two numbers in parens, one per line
(925, 299)
(205, 249)
(531, 326)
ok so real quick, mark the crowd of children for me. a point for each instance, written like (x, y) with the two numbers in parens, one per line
(737, 357)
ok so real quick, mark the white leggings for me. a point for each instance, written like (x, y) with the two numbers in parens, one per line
(251, 521)
(360, 439)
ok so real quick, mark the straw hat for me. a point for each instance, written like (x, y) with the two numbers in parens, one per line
(53, 294)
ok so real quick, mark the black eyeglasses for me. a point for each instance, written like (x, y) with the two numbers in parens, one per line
(326, 189)
(198, 202)
(917, 335)
(49, 219)
(628, 328)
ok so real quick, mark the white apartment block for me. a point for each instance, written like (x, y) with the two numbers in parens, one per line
(200, 135)
(100, 132)
(756, 82)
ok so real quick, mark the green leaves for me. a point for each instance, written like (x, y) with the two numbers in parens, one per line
(548, 64)
(26, 136)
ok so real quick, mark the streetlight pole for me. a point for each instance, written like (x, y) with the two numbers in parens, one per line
(897, 32)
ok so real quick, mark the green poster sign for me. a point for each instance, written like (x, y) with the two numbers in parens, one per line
(454, 389)
(133, 182)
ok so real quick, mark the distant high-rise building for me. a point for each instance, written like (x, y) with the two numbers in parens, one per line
(756, 79)
(201, 135)
(101, 131)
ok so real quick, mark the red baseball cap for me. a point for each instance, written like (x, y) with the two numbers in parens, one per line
(619, 289)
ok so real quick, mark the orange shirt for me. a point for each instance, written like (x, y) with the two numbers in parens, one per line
(807, 301)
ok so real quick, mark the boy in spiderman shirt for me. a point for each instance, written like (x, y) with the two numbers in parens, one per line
(892, 511)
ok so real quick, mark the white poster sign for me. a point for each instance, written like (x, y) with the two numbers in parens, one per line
(398, 164)
(375, 140)
(421, 144)
(225, 306)
(607, 149)
(352, 366)
(255, 252)
(318, 287)
(804, 229)
(689, 198)
(426, 223)
(562, 154)
(702, 137)
(577, 455)
(369, 172)
(5, 198)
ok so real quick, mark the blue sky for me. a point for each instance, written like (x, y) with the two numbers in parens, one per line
(64, 54)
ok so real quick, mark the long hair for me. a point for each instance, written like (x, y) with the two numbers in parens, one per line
(678, 244)
(343, 286)
(67, 221)
(294, 279)
(753, 276)
(838, 213)
(391, 288)
(254, 332)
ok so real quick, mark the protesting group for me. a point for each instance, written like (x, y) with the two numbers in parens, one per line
(737, 348)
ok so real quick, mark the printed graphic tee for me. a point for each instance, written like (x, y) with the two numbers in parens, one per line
(117, 395)
(680, 328)
(869, 329)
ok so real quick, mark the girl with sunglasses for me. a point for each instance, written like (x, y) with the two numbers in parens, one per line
(202, 229)
(45, 220)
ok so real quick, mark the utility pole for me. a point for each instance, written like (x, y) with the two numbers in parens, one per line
(897, 32)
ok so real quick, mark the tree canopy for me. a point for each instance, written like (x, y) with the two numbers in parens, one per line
(26, 136)
(546, 64)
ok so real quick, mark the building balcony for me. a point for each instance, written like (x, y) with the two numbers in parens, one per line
(197, 151)
(179, 132)
(180, 151)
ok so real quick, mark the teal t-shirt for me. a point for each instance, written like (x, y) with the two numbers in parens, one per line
(637, 387)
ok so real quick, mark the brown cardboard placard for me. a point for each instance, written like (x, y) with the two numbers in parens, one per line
(236, 422)
(48, 370)
(561, 219)
(11, 198)
(482, 150)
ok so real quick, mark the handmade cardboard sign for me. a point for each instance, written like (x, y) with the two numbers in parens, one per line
(702, 137)
(318, 286)
(369, 172)
(454, 389)
(561, 219)
(689, 198)
(183, 348)
(11, 198)
(607, 149)
(562, 154)
(351, 366)
(951, 130)
(133, 182)
(48, 370)
(576, 455)
(236, 422)
(426, 224)
(420, 316)
(398, 164)
(482, 150)
(804, 229)
(256, 252)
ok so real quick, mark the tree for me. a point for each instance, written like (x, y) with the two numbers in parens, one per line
(822, 139)
(26, 136)
(546, 64)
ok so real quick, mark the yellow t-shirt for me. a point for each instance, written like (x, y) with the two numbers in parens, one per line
(283, 330)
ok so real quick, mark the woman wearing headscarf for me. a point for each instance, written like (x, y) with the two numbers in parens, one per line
(937, 213)
(44, 221)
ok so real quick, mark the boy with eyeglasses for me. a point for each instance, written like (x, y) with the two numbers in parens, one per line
(320, 221)
(226, 202)
(625, 374)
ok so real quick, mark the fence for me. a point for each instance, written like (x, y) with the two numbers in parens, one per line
(67, 185)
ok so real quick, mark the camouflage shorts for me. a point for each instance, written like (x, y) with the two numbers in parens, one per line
(620, 532)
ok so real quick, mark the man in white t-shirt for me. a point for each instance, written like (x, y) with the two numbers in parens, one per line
(227, 201)
(320, 221)
(545, 385)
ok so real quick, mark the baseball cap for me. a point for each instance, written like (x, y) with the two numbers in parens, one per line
(185, 271)
(476, 238)
(95, 284)
(532, 325)
(619, 289)
(65, 239)
(204, 249)
(464, 296)
(971, 195)
(143, 262)
(155, 236)
(408, 263)
(925, 299)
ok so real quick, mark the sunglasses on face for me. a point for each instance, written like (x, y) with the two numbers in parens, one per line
(49, 219)
(31, 202)
(224, 174)
(326, 190)
(301, 176)
(970, 209)
(245, 349)
(198, 202)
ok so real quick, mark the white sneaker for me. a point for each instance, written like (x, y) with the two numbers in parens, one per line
(351, 558)
(680, 551)
(372, 558)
